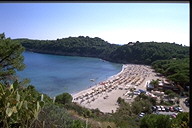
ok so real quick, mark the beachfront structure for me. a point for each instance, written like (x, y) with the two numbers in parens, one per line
(149, 87)
(163, 85)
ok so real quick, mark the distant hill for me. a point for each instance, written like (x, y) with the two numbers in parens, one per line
(139, 52)
(148, 52)
(72, 46)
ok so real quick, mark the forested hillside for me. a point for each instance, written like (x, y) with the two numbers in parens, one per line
(148, 52)
(139, 52)
(72, 46)
(176, 70)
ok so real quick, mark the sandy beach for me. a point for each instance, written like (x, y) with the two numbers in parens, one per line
(105, 94)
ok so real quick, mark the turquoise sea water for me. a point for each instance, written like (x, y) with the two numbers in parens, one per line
(53, 74)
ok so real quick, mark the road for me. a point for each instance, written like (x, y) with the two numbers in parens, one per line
(183, 106)
(167, 113)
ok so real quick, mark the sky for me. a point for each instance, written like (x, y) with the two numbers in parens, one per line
(117, 23)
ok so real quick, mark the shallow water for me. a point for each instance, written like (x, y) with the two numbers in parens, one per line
(53, 74)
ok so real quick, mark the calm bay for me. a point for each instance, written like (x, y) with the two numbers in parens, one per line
(53, 74)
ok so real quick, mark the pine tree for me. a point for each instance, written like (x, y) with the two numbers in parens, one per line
(11, 59)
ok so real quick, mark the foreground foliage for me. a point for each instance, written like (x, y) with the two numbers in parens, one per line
(19, 106)
(164, 121)
(56, 116)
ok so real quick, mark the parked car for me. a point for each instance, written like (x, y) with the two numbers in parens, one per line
(141, 114)
(157, 112)
(136, 92)
(186, 102)
(142, 91)
(180, 109)
(166, 109)
(174, 115)
(158, 108)
(171, 109)
(175, 108)
(153, 108)
(162, 108)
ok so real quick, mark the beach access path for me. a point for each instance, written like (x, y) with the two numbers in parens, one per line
(105, 94)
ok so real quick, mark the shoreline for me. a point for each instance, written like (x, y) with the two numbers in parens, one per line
(94, 86)
(104, 95)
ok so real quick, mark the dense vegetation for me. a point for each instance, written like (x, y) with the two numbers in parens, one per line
(11, 59)
(164, 121)
(176, 70)
(141, 53)
(127, 115)
(19, 106)
(148, 52)
(80, 46)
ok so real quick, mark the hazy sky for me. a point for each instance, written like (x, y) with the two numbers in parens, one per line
(117, 23)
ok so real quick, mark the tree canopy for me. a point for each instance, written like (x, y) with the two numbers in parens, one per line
(148, 52)
(64, 98)
(176, 70)
(73, 46)
(164, 121)
(11, 58)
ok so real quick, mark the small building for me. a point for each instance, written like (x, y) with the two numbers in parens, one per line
(170, 85)
(163, 85)
(149, 86)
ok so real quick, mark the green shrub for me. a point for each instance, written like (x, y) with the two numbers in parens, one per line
(19, 106)
(64, 98)
(54, 115)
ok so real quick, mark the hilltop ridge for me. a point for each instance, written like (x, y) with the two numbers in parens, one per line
(139, 52)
